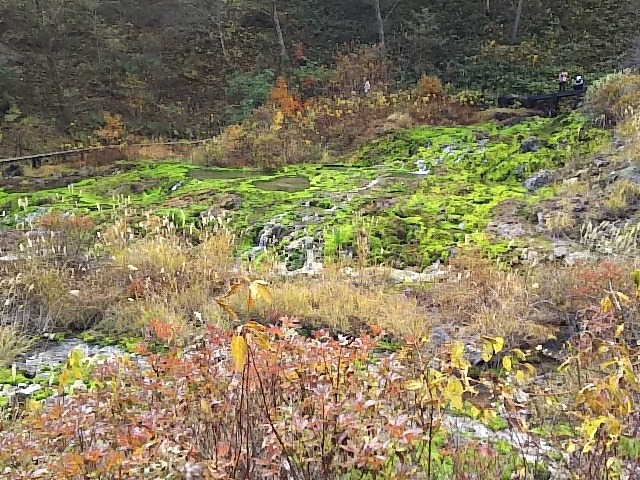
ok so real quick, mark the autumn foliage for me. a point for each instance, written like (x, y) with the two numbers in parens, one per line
(267, 402)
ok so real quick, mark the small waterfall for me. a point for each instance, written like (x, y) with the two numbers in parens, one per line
(309, 264)
(422, 167)
(262, 241)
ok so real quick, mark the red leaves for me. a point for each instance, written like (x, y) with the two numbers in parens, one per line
(162, 330)
(317, 405)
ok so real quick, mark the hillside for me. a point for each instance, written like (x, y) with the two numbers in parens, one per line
(467, 295)
(185, 68)
(333, 282)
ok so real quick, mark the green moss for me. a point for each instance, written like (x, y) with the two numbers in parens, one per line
(426, 217)
(7, 377)
(629, 448)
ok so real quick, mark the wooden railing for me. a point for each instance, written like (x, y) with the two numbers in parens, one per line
(38, 157)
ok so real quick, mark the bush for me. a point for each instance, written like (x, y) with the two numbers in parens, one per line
(614, 99)
(428, 86)
(246, 91)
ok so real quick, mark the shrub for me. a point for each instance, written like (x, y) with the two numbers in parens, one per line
(246, 91)
(614, 99)
(428, 86)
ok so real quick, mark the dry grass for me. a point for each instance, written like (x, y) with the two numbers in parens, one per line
(334, 301)
(572, 188)
(559, 222)
(49, 169)
(167, 277)
(623, 195)
(13, 342)
(154, 152)
(480, 299)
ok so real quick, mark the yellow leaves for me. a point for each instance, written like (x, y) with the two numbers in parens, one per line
(491, 346)
(624, 299)
(475, 412)
(488, 416)
(519, 354)
(457, 357)
(565, 365)
(227, 309)
(610, 425)
(247, 334)
(619, 330)
(258, 290)
(506, 363)
(412, 385)
(205, 407)
(452, 393)
(239, 352)
(278, 120)
(32, 405)
(222, 303)
(606, 304)
(257, 333)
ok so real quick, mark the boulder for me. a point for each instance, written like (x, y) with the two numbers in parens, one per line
(538, 180)
(507, 230)
(630, 173)
(576, 257)
(13, 170)
(530, 144)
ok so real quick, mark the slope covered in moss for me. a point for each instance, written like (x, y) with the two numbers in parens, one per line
(411, 218)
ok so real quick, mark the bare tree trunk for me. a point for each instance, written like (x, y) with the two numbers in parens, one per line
(223, 45)
(215, 17)
(276, 21)
(516, 22)
(383, 46)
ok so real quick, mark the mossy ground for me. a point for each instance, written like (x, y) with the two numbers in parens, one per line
(412, 219)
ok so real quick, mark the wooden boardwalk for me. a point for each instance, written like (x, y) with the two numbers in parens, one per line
(547, 101)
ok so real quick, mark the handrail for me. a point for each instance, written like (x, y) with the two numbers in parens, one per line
(101, 147)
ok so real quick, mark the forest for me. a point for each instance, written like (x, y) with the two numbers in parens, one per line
(183, 69)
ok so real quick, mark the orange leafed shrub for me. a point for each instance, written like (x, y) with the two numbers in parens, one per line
(112, 130)
(427, 86)
(281, 99)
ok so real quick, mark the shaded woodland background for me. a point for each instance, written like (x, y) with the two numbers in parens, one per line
(182, 69)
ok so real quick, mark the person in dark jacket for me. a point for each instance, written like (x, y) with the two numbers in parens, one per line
(578, 83)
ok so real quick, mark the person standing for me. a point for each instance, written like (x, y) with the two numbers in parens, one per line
(578, 83)
(367, 87)
(562, 81)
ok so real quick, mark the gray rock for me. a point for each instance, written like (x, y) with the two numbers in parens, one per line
(560, 251)
(531, 144)
(13, 170)
(538, 180)
(631, 173)
(529, 256)
(507, 230)
(575, 257)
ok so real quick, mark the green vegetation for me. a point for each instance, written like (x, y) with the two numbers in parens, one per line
(291, 298)
(473, 170)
